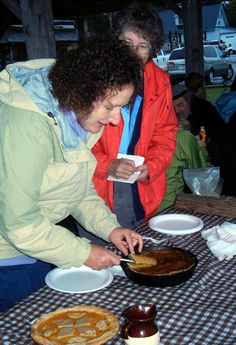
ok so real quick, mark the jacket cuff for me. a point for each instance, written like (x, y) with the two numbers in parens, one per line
(83, 253)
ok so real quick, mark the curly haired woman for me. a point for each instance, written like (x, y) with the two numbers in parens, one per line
(52, 113)
(147, 128)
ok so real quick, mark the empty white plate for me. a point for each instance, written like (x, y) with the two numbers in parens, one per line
(78, 280)
(176, 224)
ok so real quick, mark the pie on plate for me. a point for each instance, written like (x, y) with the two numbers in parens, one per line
(80, 325)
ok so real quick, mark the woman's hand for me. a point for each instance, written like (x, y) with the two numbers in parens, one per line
(144, 173)
(100, 258)
(121, 168)
(125, 240)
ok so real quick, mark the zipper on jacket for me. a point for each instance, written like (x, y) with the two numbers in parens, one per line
(53, 117)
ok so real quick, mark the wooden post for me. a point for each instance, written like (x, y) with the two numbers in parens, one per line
(82, 27)
(38, 28)
(193, 36)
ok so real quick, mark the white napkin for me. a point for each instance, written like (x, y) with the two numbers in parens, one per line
(117, 271)
(138, 160)
(221, 240)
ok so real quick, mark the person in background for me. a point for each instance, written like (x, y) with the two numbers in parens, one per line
(52, 113)
(226, 103)
(195, 83)
(193, 113)
(233, 85)
(182, 104)
(227, 162)
(188, 155)
(148, 126)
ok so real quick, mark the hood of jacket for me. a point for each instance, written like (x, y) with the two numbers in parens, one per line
(25, 85)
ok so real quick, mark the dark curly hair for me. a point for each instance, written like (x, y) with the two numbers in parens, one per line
(88, 73)
(143, 19)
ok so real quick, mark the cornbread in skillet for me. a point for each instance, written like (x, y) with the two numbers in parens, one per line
(142, 259)
(168, 261)
(85, 325)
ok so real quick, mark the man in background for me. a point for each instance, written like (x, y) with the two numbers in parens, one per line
(193, 113)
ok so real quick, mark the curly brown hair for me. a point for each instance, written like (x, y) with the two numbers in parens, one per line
(142, 18)
(87, 74)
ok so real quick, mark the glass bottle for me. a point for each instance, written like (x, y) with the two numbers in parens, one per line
(202, 134)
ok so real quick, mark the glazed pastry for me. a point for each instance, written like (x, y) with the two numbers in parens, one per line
(85, 325)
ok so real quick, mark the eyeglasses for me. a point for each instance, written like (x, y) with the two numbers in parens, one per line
(141, 48)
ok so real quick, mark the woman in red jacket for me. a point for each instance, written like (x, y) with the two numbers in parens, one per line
(147, 128)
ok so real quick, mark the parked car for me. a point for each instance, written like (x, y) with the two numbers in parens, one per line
(215, 64)
(229, 51)
(161, 59)
(230, 55)
(218, 43)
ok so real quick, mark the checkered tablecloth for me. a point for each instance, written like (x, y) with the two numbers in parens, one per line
(201, 311)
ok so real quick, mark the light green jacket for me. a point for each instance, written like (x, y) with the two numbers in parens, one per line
(188, 155)
(41, 181)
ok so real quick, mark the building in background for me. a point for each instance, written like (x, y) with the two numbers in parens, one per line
(215, 27)
(12, 43)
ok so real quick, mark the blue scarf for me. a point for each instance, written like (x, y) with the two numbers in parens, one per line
(129, 118)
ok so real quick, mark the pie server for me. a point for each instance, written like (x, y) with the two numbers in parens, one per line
(127, 260)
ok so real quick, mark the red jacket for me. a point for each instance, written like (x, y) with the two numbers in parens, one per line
(156, 142)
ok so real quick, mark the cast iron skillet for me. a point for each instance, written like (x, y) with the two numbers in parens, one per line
(160, 280)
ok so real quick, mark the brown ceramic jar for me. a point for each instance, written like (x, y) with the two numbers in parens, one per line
(140, 327)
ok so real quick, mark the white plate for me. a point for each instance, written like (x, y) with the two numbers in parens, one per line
(176, 224)
(78, 280)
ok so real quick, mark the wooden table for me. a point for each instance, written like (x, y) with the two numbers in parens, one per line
(200, 311)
